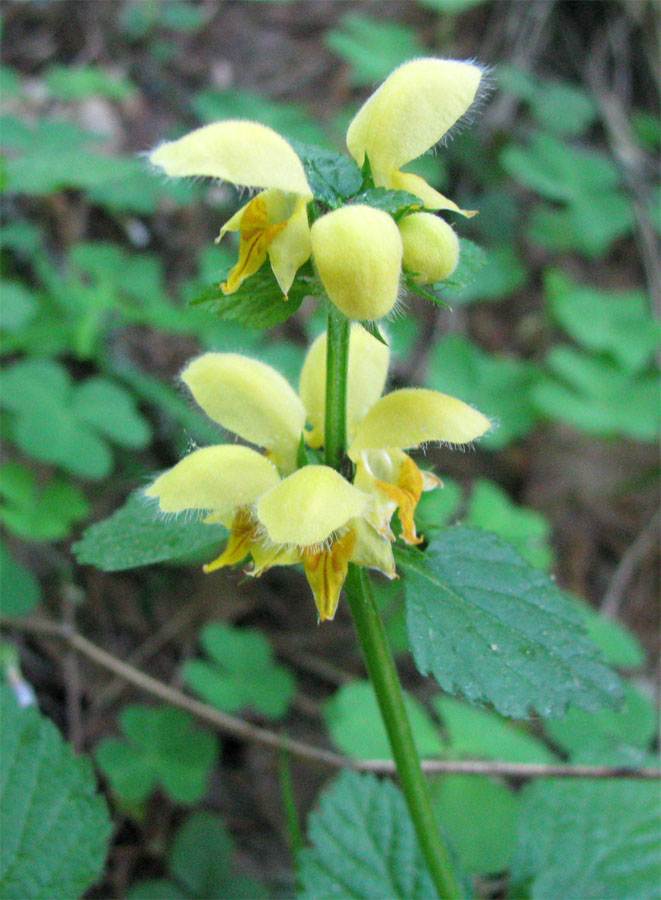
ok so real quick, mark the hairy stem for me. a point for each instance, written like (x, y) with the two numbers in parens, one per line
(372, 637)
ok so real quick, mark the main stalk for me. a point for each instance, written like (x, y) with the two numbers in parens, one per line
(372, 636)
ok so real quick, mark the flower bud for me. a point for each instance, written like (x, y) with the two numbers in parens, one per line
(431, 247)
(358, 253)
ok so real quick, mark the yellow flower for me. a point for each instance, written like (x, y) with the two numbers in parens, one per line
(380, 428)
(411, 112)
(431, 247)
(274, 223)
(358, 253)
(279, 514)
(311, 516)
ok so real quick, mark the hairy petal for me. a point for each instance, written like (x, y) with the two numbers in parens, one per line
(411, 111)
(431, 247)
(414, 416)
(358, 251)
(368, 370)
(221, 479)
(251, 399)
(242, 152)
(308, 506)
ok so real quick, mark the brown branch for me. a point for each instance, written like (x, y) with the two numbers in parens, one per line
(241, 729)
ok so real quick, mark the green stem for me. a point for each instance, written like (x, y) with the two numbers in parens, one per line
(388, 690)
(372, 636)
(337, 360)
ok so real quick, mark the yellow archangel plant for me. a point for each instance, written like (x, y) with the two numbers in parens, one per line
(282, 514)
(358, 250)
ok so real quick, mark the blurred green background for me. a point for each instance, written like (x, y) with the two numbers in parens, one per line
(556, 338)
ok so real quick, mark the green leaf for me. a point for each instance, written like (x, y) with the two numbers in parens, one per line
(634, 723)
(619, 323)
(526, 529)
(291, 120)
(373, 47)
(352, 716)
(593, 839)
(72, 83)
(19, 306)
(588, 226)
(563, 108)
(259, 302)
(484, 277)
(451, 7)
(20, 589)
(489, 625)
(332, 176)
(200, 865)
(242, 673)
(597, 397)
(559, 171)
(482, 734)
(388, 201)
(363, 844)
(618, 646)
(35, 511)
(109, 409)
(138, 535)
(498, 386)
(438, 508)
(484, 844)
(161, 748)
(55, 826)
(472, 259)
(60, 423)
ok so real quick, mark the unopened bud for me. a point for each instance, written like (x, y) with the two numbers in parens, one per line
(431, 247)
(358, 253)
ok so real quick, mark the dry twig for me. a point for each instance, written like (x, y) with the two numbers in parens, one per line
(246, 731)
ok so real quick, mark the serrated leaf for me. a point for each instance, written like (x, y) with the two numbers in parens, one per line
(36, 511)
(138, 535)
(483, 734)
(388, 201)
(634, 724)
(332, 176)
(242, 673)
(490, 626)
(593, 839)
(618, 646)
(258, 302)
(20, 589)
(162, 748)
(363, 844)
(355, 724)
(55, 826)
(498, 386)
(484, 844)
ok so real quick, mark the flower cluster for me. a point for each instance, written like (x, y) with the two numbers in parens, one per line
(358, 250)
(281, 514)
(283, 506)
